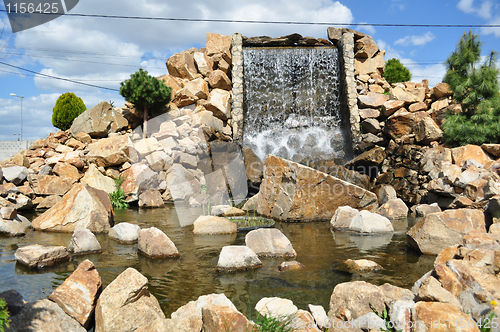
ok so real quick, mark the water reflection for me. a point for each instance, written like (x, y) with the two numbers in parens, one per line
(177, 281)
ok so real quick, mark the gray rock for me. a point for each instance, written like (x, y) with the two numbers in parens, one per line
(8, 213)
(153, 243)
(237, 258)
(342, 218)
(43, 316)
(371, 126)
(368, 222)
(424, 209)
(369, 321)
(84, 241)
(16, 227)
(38, 256)
(15, 174)
(393, 209)
(14, 300)
(99, 121)
(269, 242)
(181, 182)
(125, 232)
(401, 313)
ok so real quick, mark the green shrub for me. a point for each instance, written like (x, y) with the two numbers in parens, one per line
(117, 197)
(4, 315)
(396, 72)
(147, 93)
(476, 89)
(68, 107)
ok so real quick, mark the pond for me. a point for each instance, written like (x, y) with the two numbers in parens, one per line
(175, 282)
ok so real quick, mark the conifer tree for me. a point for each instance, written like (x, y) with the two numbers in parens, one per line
(476, 88)
(147, 93)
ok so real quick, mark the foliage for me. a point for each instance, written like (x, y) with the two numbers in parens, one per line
(270, 324)
(477, 90)
(389, 326)
(68, 107)
(486, 324)
(147, 93)
(117, 197)
(396, 72)
(4, 315)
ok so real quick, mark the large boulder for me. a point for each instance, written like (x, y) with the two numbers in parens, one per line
(437, 231)
(182, 65)
(290, 191)
(475, 152)
(153, 243)
(428, 131)
(217, 43)
(221, 318)
(82, 207)
(138, 178)
(51, 185)
(237, 258)
(151, 198)
(356, 296)
(219, 103)
(188, 318)
(38, 256)
(126, 304)
(95, 179)
(269, 242)
(429, 315)
(393, 209)
(182, 182)
(403, 123)
(99, 121)
(409, 96)
(110, 151)
(43, 316)
(78, 294)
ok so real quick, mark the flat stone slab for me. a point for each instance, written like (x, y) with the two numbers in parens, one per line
(38, 256)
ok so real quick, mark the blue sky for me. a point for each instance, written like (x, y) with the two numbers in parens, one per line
(104, 51)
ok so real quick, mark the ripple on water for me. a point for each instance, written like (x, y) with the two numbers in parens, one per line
(177, 281)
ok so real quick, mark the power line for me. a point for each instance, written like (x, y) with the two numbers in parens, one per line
(58, 78)
(273, 22)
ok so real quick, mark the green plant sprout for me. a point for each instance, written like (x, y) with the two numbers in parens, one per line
(4, 315)
(389, 326)
(117, 197)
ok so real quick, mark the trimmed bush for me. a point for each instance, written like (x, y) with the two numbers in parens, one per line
(396, 72)
(68, 107)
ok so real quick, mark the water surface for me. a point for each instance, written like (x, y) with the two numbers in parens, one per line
(175, 282)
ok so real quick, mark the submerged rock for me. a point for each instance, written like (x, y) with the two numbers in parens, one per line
(237, 258)
(125, 232)
(213, 225)
(269, 242)
(38, 256)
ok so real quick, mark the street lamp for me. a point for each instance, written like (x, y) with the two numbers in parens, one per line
(14, 95)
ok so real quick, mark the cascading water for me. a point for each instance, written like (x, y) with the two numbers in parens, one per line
(292, 103)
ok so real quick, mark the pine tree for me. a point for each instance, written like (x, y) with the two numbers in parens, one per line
(477, 90)
(396, 72)
(147, 93)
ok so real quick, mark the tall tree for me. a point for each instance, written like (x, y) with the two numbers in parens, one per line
(475, 87)
(147, 93)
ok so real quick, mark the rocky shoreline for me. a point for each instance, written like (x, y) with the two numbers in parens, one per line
(401, 168)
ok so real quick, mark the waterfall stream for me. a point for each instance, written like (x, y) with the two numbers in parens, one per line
(292, 103)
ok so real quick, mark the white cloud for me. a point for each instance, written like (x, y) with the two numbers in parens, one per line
(367, 28)
(492, 31)
(466, 6)
(416, 40)
(484, 10)
(105, 51)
